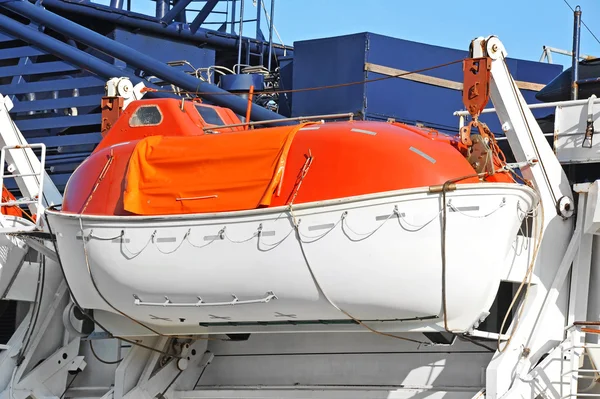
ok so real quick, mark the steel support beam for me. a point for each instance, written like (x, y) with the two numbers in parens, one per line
(258, 14)
(232, 31)
(203, 14)
(271, 28)
(575, 56)
(178, 7)
(136, 59)
(153, 25)
(118, 4)
(162, 7)
(68, 53)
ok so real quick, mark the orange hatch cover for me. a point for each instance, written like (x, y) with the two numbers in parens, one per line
(221, 172)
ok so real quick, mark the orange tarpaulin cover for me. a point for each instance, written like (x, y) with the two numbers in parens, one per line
(210, 173)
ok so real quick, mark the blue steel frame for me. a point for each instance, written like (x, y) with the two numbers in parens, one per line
(56, 83)
(129, 55)
(164, 26)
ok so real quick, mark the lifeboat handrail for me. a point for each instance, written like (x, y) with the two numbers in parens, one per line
(348, 115)
(200, 302)
(34, 200)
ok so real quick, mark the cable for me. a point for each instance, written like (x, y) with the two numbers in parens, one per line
(102, 360)
(584, 24)
(334, 86)
(70, 383)
(526, 282)
(302, 175)
(62, 269)
(162, 395)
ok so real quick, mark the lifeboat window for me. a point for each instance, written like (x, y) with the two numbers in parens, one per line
(146, 115)
(209, 115)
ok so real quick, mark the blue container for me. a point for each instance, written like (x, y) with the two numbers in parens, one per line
(336, 60)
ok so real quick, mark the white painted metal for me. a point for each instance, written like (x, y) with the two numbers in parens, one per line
(36, 200)
(123, 87)
(24, 161)
(571, 122)
(377, 257)
(12, 253)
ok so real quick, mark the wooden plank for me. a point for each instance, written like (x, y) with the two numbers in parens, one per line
(431, 80)
(51, 85)
(415, 77)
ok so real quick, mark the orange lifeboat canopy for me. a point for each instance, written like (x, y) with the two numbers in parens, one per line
(174, 166)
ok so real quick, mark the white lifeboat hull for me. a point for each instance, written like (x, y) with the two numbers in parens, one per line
(371, 258)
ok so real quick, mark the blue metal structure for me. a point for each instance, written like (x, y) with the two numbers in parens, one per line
(405, 100)
(55, 67)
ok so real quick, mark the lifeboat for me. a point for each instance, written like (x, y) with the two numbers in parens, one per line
(187, 222)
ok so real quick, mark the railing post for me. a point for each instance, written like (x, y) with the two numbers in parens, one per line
(575, 56)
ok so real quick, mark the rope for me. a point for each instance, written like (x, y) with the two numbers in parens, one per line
(334, 86)
(457, 210)
(224, 233)
(89, 269)
(102, 360)
(415, 227)
(296, 224)
(176, 248)
(319, 286)
(187, 238)
(445, 187)
(443, 249)
(93, 320)
(366, 235)
(99, 180)
(274, 245)
(317, 238)
(91, 235)
(85, 252)
(525, 283)
(134, 254)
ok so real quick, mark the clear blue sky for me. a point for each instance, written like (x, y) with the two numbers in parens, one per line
(524, 26)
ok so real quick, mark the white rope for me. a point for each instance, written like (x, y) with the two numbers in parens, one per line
(224, 233)
(176, 248)
(322, 291)
(132, 253)
(272, 245)
(457, 210)
(369, 234)
(91, 235)
(219, 236)
(312, 239)
(402, 218)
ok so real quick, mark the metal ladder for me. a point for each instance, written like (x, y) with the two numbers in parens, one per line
(37, 199)
(576, 350)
